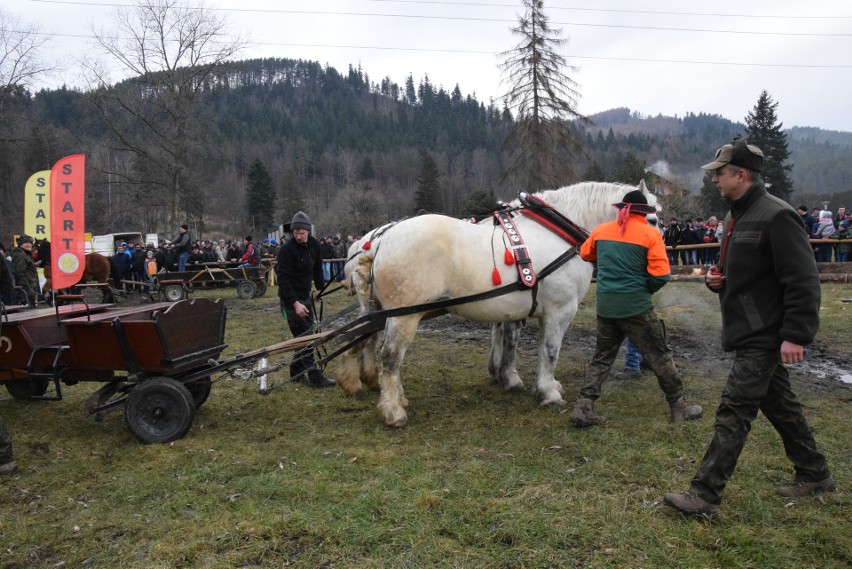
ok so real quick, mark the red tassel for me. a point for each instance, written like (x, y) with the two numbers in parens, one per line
(495, 277)
(508, 258)
(366, 246)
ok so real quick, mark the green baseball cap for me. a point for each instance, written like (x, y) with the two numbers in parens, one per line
(738, 153)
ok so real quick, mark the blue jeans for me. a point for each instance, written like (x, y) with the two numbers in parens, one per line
(184, 257)
(633, 357)
(326, 270)
(337, 270)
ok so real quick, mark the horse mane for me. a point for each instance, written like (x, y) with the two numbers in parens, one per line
(590, 203)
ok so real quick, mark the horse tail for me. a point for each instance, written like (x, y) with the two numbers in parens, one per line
(359, 279)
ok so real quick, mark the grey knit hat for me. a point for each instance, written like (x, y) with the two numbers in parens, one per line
(300, 221)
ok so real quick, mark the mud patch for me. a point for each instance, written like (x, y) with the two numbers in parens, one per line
(824, 369)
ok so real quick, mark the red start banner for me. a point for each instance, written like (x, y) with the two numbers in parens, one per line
(67, 221)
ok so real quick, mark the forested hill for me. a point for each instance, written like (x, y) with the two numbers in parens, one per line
(258, 101)
(349, 149)
(820, 157)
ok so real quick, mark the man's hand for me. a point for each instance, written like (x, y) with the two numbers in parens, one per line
(301, 310)
(792, 353)
(714, 278)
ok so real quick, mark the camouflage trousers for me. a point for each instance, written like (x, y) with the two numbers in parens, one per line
(647, 334)
(757, 381)
(6, 455)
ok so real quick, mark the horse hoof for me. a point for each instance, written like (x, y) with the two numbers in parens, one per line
(359, 395)
(399, 423)
(553, 400)
(396, 420)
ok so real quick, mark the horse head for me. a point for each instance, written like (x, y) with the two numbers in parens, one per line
(43, 251)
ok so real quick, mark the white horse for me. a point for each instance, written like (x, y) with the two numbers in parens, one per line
(433, 257)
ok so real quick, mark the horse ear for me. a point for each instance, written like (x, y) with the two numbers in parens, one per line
(642, 187)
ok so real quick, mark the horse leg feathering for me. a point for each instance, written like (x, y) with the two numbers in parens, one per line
(501, 358)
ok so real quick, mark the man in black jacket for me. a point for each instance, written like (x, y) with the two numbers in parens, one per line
(7, 279)
(671, 238)
(299, 264)
(183, 247)
(769, 290)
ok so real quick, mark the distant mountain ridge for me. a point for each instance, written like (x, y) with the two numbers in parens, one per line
(624, 121)
(820, 158)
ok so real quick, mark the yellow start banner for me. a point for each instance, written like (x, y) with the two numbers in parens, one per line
(37, 205)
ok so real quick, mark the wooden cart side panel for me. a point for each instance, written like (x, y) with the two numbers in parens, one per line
(191, 327)
(25, 331)
(95, 343)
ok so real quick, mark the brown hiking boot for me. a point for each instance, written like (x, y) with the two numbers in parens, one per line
(799, 488)
(584, 414)
(683, 411)
(690, 504)
(627, 374)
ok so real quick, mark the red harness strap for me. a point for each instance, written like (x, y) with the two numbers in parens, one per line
(519, 249)
(544, 214)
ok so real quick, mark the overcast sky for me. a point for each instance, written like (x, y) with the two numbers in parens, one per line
(655, 57)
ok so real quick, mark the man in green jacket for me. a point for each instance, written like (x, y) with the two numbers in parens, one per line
(769, 290)
(25, 269)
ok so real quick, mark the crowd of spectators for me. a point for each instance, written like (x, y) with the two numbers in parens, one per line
(140, 263)
(819, 224)
(692, 232)
(333, 249)
(826, 226)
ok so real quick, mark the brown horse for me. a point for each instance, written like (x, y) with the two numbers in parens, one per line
(98, 269)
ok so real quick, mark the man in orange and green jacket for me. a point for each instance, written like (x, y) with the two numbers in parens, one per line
(631, 266)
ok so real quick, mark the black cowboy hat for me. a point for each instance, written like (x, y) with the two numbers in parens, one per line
(637, 201)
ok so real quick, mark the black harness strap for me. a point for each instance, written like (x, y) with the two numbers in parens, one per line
(362, 328)
(372, 322)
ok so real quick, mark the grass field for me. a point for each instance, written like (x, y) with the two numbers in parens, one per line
(479, 479)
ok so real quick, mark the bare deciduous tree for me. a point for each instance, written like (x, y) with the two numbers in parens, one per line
(545, 99)
(20, 60)
(20, 65)
(171, 51)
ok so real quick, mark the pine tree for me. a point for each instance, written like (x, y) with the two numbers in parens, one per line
(594, 173)
(367, 172)
(292, 199)
(545, 97)
(428, 196)
(260, 197)
(763, 131)
(709, 200)
(632, 170)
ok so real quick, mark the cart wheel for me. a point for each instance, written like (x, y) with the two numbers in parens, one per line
(261, 287)
(246, 289)
(159, 410)
(173, 293)
(200, 390)
(27, 388)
